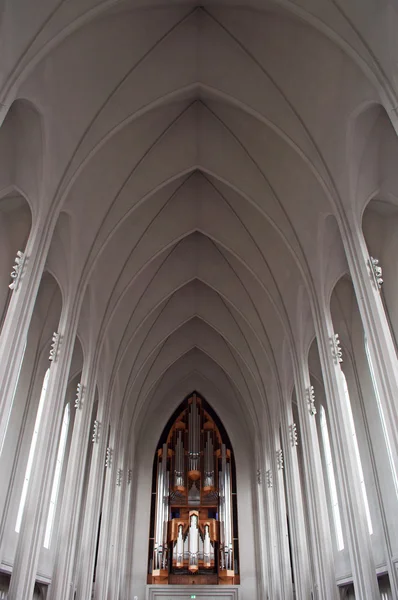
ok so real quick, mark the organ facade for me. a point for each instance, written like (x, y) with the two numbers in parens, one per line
(193, 533)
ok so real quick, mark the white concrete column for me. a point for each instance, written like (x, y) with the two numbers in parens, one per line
(126, 550)
(267, 544)
(377, 331)
(356, 528)
(85, 568)
(114, 479)
(262, 534)
(122, 520)
(114, 543)
(62, 583)
(275, 549)
(284, 565)
(320, 537)
(301, 565)
(39, 492)
(17, 321)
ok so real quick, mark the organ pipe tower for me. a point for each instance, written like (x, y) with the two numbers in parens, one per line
(193, 534)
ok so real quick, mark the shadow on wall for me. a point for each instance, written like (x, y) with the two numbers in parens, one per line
(347, 592)
(40, 591)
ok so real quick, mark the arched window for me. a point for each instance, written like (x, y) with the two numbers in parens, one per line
(382, 418)
(357, 455)
(32, 451)
(332, 480)
(57, 476)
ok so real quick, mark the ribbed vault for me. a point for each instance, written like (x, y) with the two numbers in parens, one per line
(193, 183)
(200, 194)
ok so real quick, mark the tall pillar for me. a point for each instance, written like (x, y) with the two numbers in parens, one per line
(121, 522)
(114, 479)
(298, 537)
(262, 558)
(377, 331)
(263, 534)
(381, 347)
(284, 565)
(38, 498)
(274, 579)
(126, 550)
(267, 517)
(63, 570)
(110, 550)
(17, 321)
(85, 568)
(320, 537)
(356, 528)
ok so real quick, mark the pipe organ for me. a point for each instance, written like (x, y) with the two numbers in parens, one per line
(193, 535)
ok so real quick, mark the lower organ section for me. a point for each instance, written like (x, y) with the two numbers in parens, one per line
(193, 536)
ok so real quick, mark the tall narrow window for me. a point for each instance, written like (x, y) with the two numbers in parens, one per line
(357, 455)
(57, 476)
(332, 480)
(13, 398)
(382, 418)
(32, 451)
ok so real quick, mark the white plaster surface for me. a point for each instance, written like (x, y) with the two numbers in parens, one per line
(197, 189)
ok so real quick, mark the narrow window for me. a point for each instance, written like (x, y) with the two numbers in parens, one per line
(382, 418)
(13, 398)
(357, 455)
(57, 477)
(332, 480)
(32, 451)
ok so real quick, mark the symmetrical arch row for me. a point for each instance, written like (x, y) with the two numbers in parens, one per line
(168, 345)
(202, 227)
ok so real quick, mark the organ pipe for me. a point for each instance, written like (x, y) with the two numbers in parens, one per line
(180, 547)
(209, 463)
(207, 547)
(193, 541)
(194, 440)
(165, 514)
(226, 538)
(160, 547)
(179, 464)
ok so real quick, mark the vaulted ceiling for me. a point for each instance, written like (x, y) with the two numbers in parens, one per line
(192, 164)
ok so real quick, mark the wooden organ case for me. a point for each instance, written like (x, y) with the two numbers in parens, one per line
(193, 534)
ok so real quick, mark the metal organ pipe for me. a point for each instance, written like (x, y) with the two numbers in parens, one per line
(225, 512)
(180, 547)
(228, 516)
(158, 538)
(160, 547)
(207, 547)
(222, 517)
(179, 462)
(194, 432)
(193, 542)
(209, 462)
(181, 456)
(194, 436)
(165, 514)
(190, 432)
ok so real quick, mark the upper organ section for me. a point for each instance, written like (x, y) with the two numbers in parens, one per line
(193, 535)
